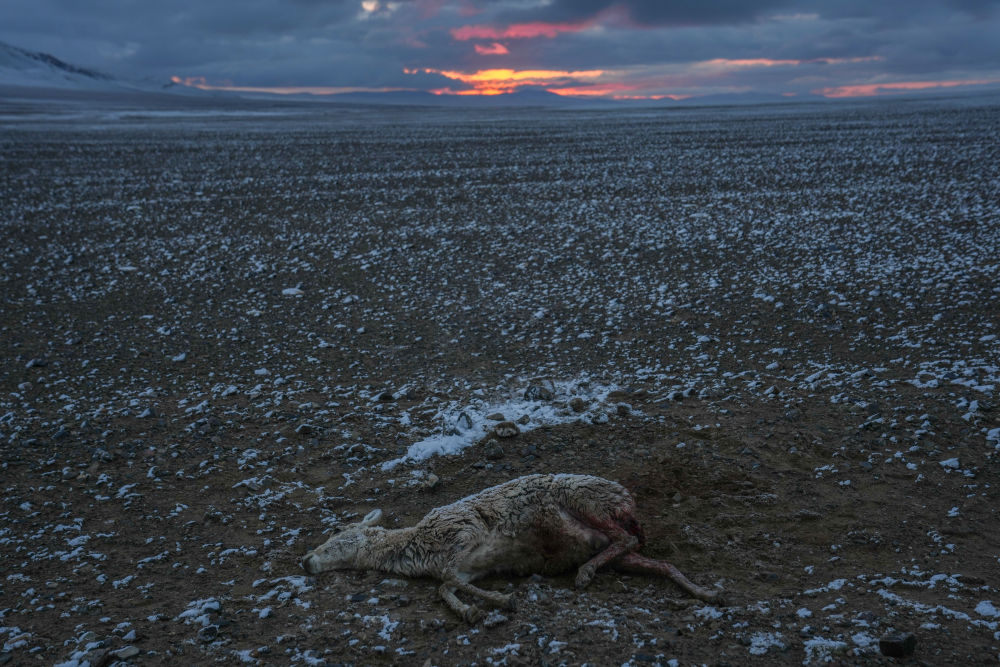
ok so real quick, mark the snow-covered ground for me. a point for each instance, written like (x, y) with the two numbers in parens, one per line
(226, 332)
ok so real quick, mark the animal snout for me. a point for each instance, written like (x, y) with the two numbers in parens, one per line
(307, 563)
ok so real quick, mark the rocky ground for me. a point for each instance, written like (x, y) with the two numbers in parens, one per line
(223, 335)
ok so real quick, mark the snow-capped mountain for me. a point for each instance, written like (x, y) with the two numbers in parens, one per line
(21, 67)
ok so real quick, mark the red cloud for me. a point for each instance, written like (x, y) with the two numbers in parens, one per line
(517, 30)
(494, 49)
(538, 28)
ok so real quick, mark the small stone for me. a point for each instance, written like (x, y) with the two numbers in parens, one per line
(147, 413)
(496, 417)
(897, 644)
(494, 619)
(103, 455)
(577, 404)
(623, 409)
(431, 481)
(537, 392)
(37, 362)
(305, 428)
(208, 633)
(493, 450)
(98, 657)
(127, 652)
(463, 422)
(793, 415)
(506, 430)
(523, 420)
(61, 432)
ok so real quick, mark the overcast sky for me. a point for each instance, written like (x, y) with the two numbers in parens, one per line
(633, 48)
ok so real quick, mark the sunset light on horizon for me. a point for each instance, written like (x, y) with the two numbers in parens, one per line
(607, 49)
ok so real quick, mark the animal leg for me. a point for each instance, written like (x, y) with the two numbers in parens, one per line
(638, 563)
(493, 597)
(469, 613)
(622, 542)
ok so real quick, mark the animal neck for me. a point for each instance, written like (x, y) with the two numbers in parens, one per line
(398, 551)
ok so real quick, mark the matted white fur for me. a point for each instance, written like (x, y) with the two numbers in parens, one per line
(543, 524)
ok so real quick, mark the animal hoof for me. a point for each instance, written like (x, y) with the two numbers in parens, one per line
(584, 577)
(472, 615)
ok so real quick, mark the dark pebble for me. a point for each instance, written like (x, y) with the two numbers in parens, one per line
(537, 392)
(897, 644)
(493, 451)
(208, 633)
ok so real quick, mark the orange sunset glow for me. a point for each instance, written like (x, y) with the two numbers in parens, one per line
(872, 89)
(501, 81)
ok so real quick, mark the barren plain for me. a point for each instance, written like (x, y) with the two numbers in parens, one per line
(224, 333)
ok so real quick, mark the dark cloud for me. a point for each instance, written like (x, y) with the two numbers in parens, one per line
(659, 12)
(339, 43)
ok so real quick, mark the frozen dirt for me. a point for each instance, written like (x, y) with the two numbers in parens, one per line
(224, 335)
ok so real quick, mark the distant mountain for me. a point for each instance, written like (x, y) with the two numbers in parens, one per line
(521, 98)
(21, 67)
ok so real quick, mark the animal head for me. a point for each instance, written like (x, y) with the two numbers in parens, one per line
(341, 550)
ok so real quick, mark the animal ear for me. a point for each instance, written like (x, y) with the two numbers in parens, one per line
(372, 518)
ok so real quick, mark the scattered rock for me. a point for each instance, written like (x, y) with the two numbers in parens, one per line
(431, 481)
(506, 430)
(305, 428)
(463, 422)
(577, 404)
(127, 652)
(493, 619)
(208, 633)
(523, 420)
(497, 417)
(537, 392)
(897, 644)
(37, 362)
(493, 451)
